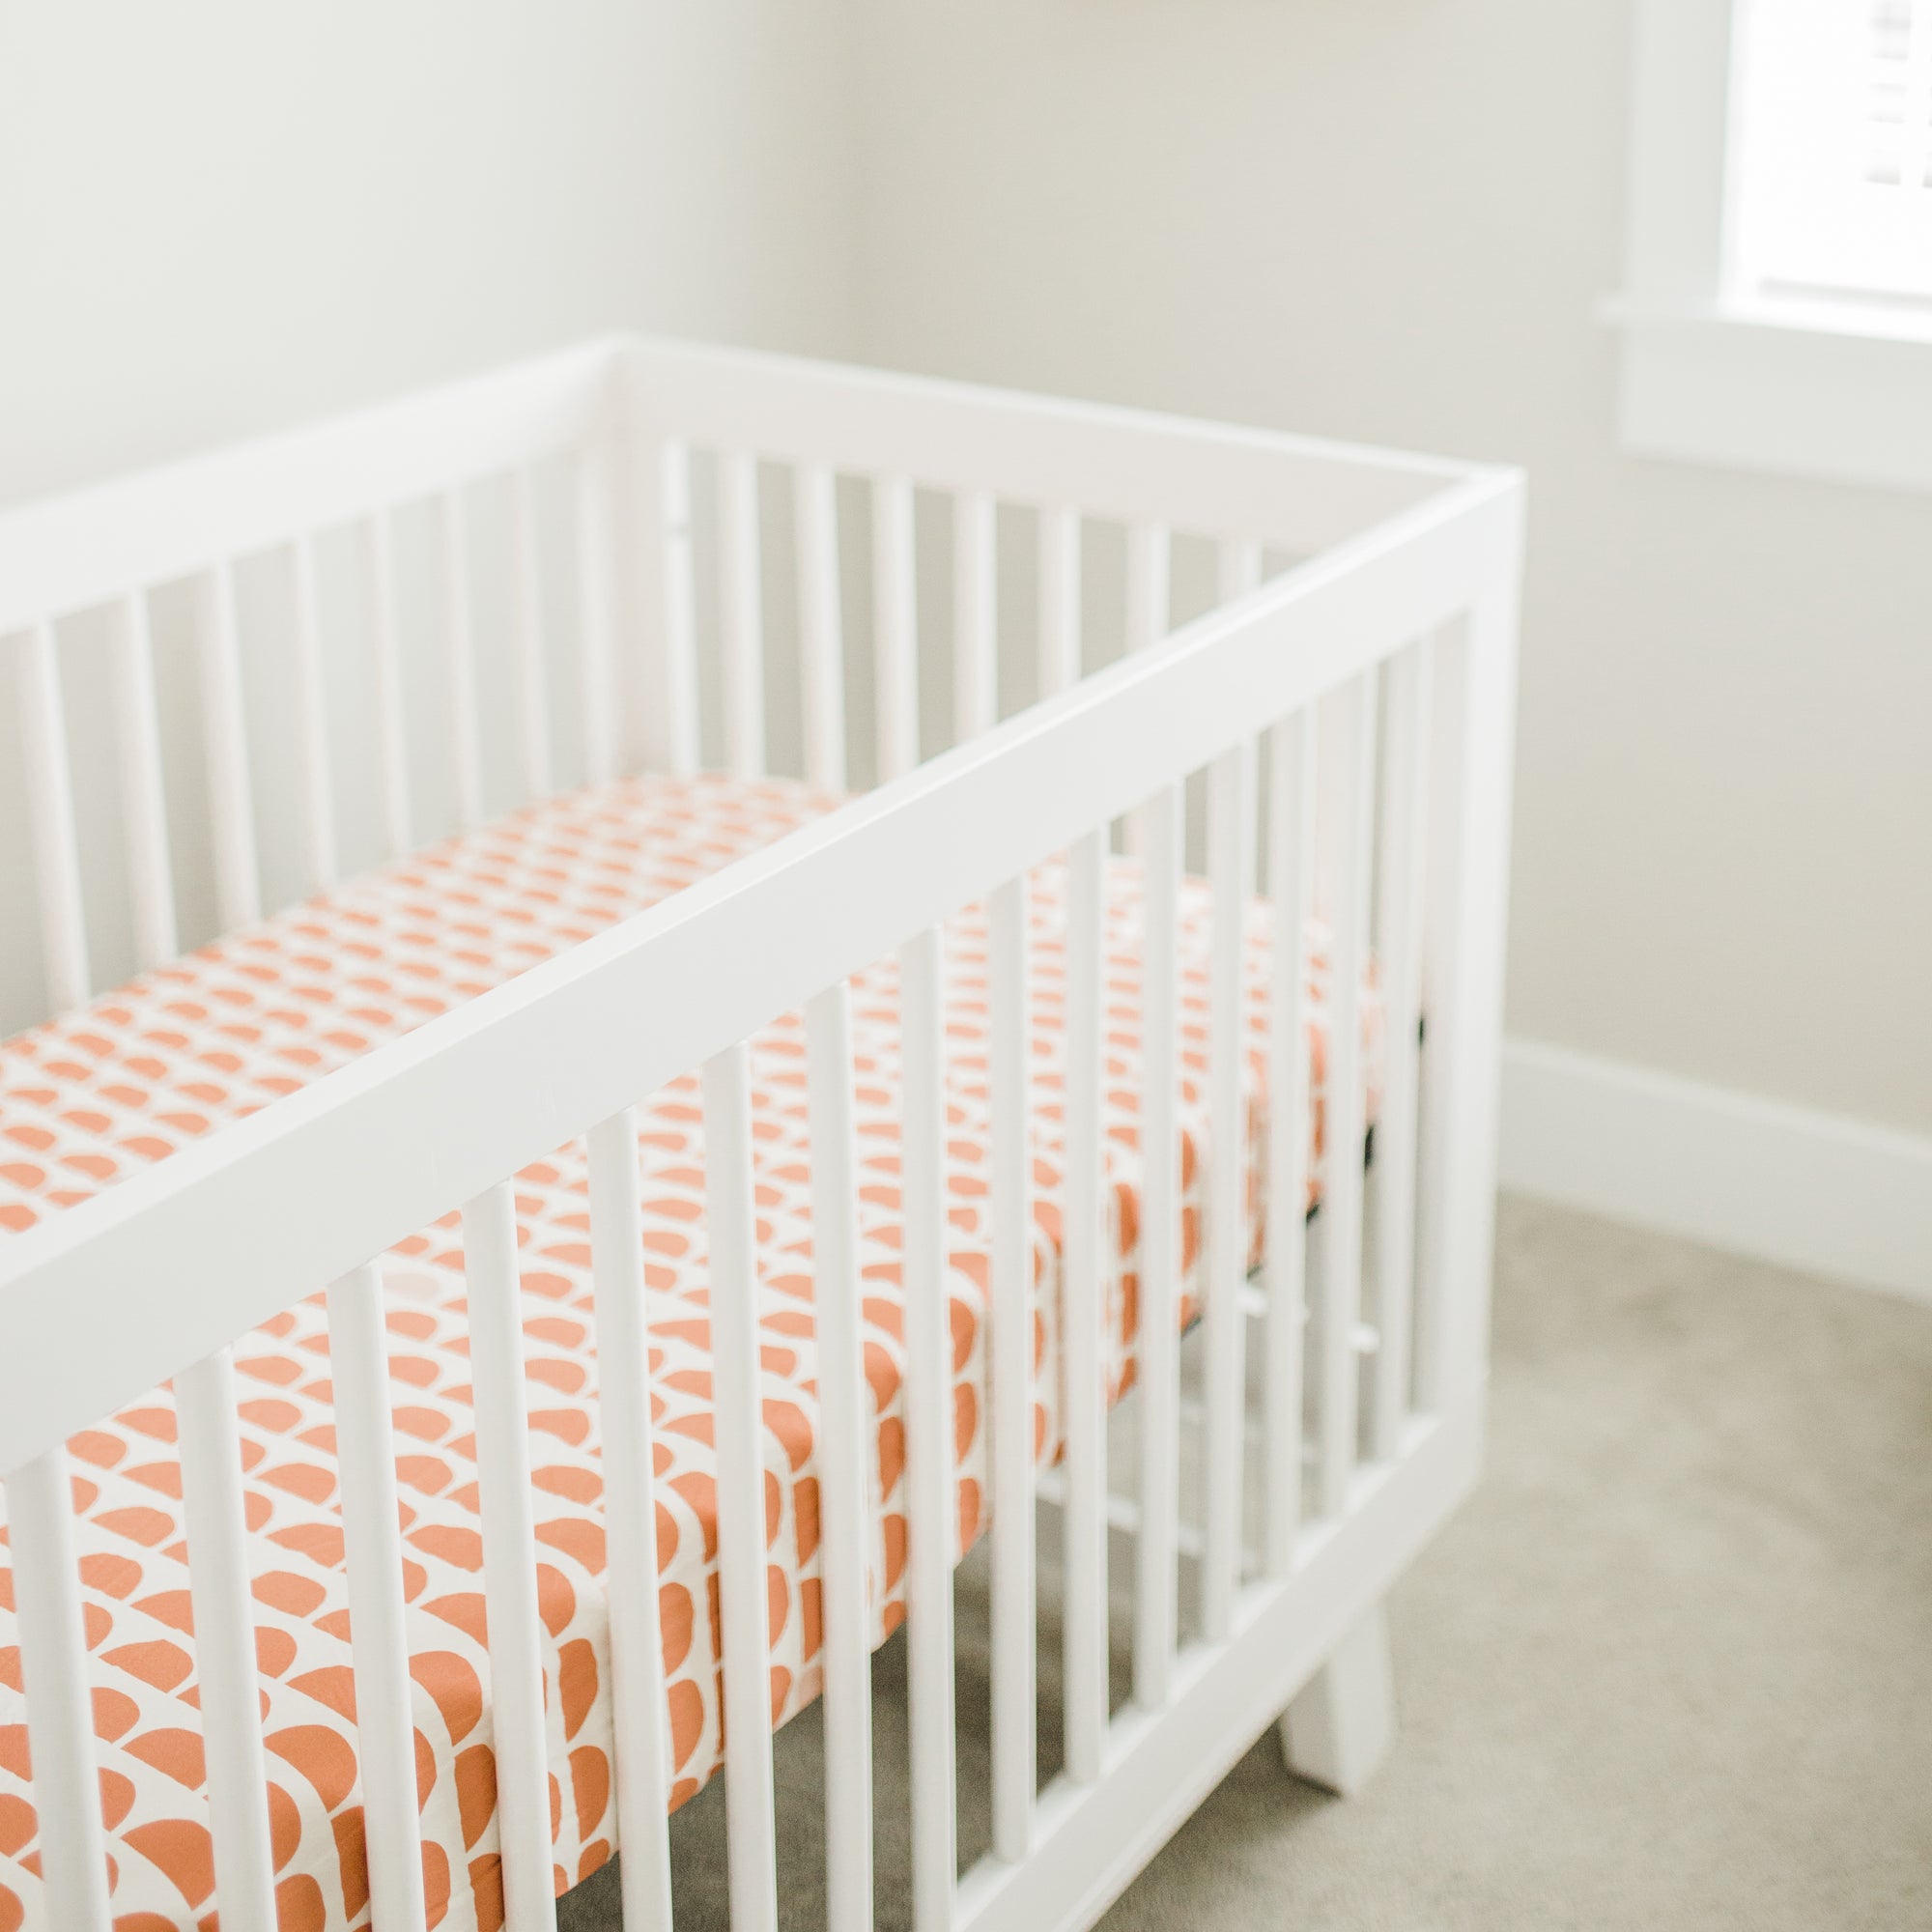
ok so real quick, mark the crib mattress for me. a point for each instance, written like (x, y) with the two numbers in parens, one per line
(176, 1054)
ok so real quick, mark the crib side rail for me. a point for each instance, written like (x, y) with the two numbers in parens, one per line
(271, 540)
(238, 1227)
(159, 1275)
(160, 524)
(866, 605)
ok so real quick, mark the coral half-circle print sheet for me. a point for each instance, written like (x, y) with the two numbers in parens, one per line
(125, 1082)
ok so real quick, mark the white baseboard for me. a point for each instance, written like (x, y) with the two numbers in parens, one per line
(1810, 1191)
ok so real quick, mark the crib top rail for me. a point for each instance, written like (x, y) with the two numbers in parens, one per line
(1299, 494)
(136, 533)
(125, 1290)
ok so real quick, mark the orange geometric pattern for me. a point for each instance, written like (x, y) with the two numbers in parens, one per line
(176, 1054)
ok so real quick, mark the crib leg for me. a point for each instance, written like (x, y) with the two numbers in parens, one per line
(1340, 1727)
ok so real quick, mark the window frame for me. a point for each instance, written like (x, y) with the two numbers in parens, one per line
(1830, 387)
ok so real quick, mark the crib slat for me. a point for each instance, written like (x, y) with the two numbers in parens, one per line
(931, 1498)
(821, 627)
(741, 607)
(1290, 890)
(1059, 600)
(598, 695)
(1009, 1369)
(224, 1643)
(680, 607)
(845, 1465)
(1342, 897)
(1084, 1304)
(138, 742)
(1231, 868)
(231, 798)
(1156, 1551)
(318, 807)
(1149, 552)
(392, 743)
(630, 1521)
(51, 801)
(532, 684)
(896, 626)
(731, 1216)
(1239, 563)
(976, 664)
(1399, 940)
(459, 645)
(509, 1555)
(54, 1674)
(359, 1368)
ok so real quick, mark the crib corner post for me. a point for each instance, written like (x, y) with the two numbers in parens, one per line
(1465, 917)
(1341, 1724)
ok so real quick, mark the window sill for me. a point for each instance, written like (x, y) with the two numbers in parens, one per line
(1800, 389)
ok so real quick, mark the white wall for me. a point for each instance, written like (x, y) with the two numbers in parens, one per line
(218, 217)
(221, 218)
(1395, 222)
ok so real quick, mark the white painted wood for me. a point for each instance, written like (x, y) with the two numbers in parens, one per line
(1238, 565)
(1777, 391)
(821, 627)
(738, 1423)
(137, 742)
(165, 523)
(1342, 832)
(894, 627)
(1084, 1677)
(1714, 370)
(741, 609)
(1016, 1719)
(932, 1513)
(358, 1366)
(1463, 975)
(1156, 1572)
(1298, 493)
(1150, 568)
(318, 801)
(639, 1717)
(386, 644)
(679, 657)
(1812, 1191)
(447, 1112)
(54, 1674)
(498, 1084)
(459, 659)
(1338, 1730)
(1290, 886)
(1399, 915)
(1059, 600)
(495, 1296)
(1091, 1843)
(848, 1468)
(226, 1678)
(533, 681)
(225, 726)
(50, 809)
(976, 657)
(1223, 1321)
(596, 563)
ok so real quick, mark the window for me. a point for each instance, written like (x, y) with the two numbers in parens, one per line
(1833, 193)
(1777, 307)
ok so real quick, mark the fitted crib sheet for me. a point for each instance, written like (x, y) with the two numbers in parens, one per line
(174, 1055)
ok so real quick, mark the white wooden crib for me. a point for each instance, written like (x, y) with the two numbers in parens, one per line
(582, 568)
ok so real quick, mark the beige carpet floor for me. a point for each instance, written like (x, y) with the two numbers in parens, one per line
(1672, 1667)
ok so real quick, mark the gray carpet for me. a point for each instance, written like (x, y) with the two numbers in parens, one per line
(1671, 1667)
